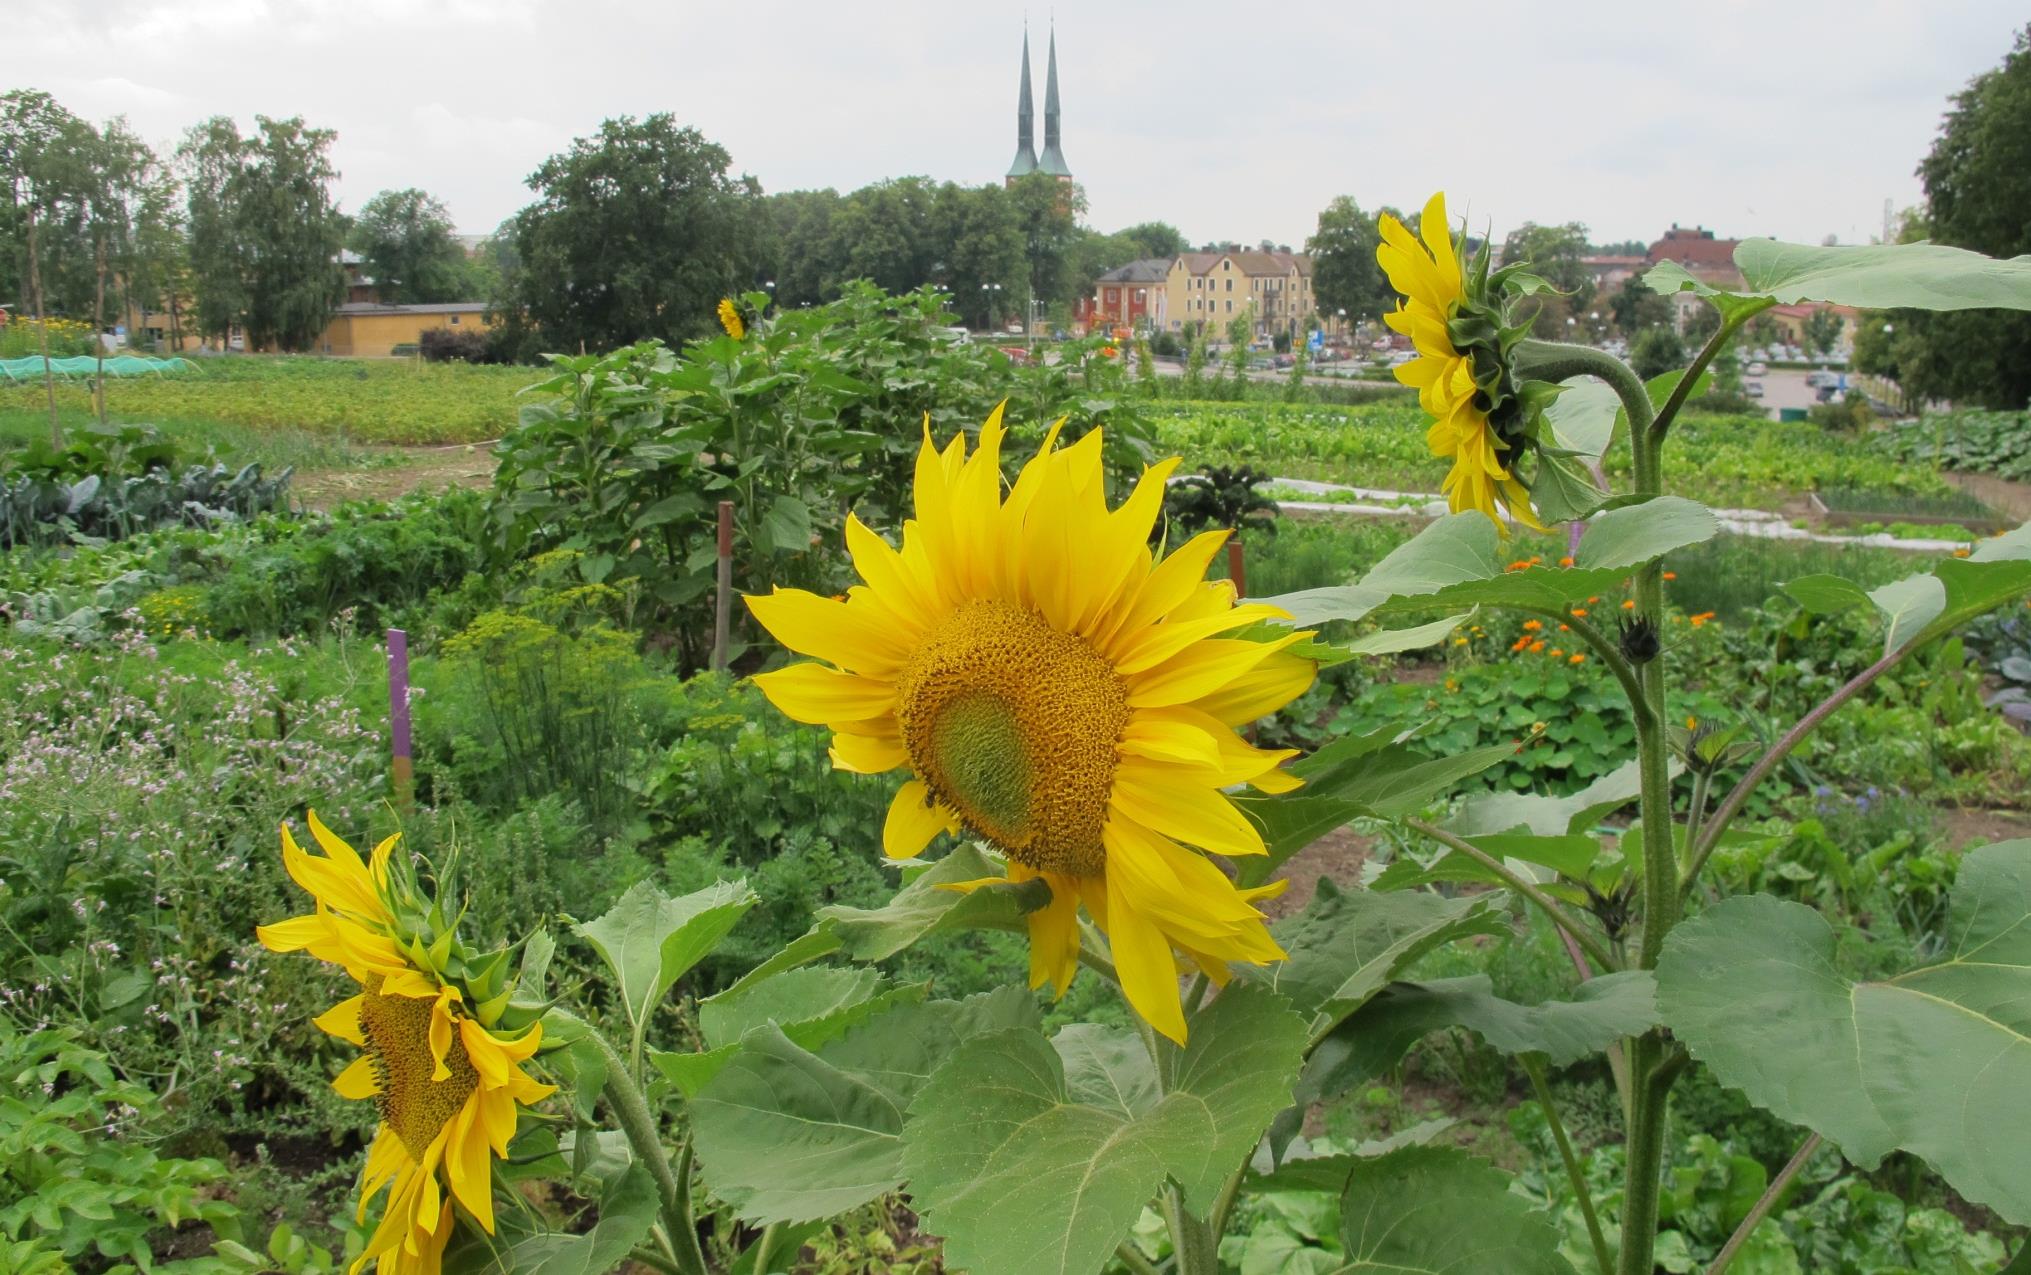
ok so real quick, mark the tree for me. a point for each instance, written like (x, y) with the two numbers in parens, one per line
(1657, 351)
(292, 230)
(1345, 275)
(636, 232)
(1977, 180)
(1700, 323)
(1046, 217)
(1152, 239)
(1555, 254)
(35, 137)
(208, 160)
(405, 240)
(1637, 308)
(1822, 329)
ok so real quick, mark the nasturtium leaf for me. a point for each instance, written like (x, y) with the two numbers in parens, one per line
(1437, 1211)
(1935, 1062)
(650, 940)
(786, 1134)
(1345, 947)
(1022, 1176)
(1631, 535)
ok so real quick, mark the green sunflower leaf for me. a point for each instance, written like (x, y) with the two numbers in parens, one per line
(1013, 1130)
(811, 1006)
(1935, 1062)
(1922, 607)
(627, 1209)
(650, 940)
(789, 1134)
(1437, 1211)
(1919, 276)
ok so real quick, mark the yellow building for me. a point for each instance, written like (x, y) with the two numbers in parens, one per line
(370, 330)
(1214, 287)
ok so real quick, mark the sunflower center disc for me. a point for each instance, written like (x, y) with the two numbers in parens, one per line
(416, 1107)
(1013, 725)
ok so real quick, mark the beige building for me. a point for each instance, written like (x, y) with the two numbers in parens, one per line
(367, 329)
(1214, 287)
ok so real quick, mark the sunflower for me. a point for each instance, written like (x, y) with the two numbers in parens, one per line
(729, 318)
(448, 1083)
(1060, 694)
(1456, 391)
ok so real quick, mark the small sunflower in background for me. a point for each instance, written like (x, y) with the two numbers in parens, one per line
(729, 318)
(1057, 692)
(1452, 312)
(441, 1052)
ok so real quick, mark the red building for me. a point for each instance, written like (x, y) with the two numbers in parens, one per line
(1130, 296)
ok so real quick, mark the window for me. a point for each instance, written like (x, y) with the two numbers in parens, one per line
(454, 320)
(1230, 307)
(1230, 288)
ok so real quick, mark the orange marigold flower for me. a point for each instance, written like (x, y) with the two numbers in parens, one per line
(1533, 625)
(1566, 561)
(1671, 575)
(1628, 604)
(1556, 652)
(1537, 646)
(1578, 659)
(1579, 613)
(1565, 628)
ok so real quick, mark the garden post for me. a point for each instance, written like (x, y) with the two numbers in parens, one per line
(401, 766)
(1235, 570)
(722, 606)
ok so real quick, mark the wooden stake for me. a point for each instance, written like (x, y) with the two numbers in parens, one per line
(722, 610)
(1235, 572)
(402, 766)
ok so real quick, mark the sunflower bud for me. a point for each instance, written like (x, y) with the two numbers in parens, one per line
(1639, 639)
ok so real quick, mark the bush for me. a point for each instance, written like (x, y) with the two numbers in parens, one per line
(462, 345)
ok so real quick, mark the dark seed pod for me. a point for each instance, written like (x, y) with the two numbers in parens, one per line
(1639, 640)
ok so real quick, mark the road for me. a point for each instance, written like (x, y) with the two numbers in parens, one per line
(1785, 387)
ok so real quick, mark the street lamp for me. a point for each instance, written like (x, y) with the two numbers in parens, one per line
(990, 297)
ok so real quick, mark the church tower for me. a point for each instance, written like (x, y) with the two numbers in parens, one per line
(1053, 161)
(1026, 115)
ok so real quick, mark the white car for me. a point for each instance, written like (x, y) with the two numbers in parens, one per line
(1758, 369)
(1754, 389)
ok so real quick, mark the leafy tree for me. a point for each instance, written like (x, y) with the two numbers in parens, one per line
(1153, 239)
(405, 238)
(636, 232)
(1046, 217)
(208, 159)
(1637, 308)
(797, 240)
(1822, 330)
(980, 250)
(1345, 275)
(1620, 248)
(1657, 351)
(1702, 322)
(1556, 255)
(1977, 181)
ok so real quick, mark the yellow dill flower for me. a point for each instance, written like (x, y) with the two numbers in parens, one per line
(1060, 694)
(1450, 386)
(729, 318)
(447, 1085)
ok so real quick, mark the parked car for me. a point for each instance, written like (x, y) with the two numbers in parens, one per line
(1758, 369)
(1283, 360)
(1754, 389)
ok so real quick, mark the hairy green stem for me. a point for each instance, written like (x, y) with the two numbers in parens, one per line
(1603, 1259)
(1731, 805)
(1192, 1240)
(631, 1109)
(1644, 1150)
(654, 1261)
(1548, 361)
(1764, 1205)
(1708, 353)
(1127, 1254)
(1549, 906)
(1611, 654)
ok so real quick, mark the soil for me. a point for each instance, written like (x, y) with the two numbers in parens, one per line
(1338, 855)
(1969, 828)
(394, 471)
(2011, 499)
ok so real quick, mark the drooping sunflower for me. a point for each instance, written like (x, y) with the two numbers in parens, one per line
(1461, 384)
(729, 318)
(436, 1058)
(1059, 693)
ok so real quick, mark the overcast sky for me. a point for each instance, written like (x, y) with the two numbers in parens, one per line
(1230, 120)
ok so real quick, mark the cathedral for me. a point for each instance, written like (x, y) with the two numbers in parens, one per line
(1026, 160)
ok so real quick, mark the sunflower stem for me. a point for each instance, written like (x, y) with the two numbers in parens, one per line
(1550, 361)
(673, 1187)
(1127, 1254)
(1588, 943)
(1680, 392)
(1603, 1259)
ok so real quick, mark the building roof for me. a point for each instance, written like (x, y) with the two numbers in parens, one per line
(436, 307)
(1052, 161)
(1694, 246)
(1256, 264)
(1147, 270)
(1199, 262)
(1025, 161)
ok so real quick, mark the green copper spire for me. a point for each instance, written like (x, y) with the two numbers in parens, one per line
(1026, 121)
(1053, 161)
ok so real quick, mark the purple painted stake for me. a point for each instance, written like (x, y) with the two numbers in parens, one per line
(402, 768)
(1573, 530)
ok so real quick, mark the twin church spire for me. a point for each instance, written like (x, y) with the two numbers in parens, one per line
(1052, 163)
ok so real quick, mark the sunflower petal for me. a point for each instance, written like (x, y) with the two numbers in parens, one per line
(913, 820)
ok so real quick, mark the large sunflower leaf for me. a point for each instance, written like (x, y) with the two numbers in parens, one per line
(923, 908)
(1602, 1011)
(1918, 276)
(786, 1134)
(811, 1006)
(1922, 607)
(1460, 561)
(1550, 816)
(1345, 947)
(649, 940)
(1023, 1175)
(1935, 1062)
(627, 1209)
(1437, 1211)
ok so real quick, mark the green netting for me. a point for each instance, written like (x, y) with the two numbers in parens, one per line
(30, 368)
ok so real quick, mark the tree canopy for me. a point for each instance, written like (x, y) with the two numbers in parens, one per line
(1345, 275)
(405, 240)
(635, 232)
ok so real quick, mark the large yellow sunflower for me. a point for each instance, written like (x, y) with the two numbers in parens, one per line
(1060, 694)
(447, 1086)
(1429, 276)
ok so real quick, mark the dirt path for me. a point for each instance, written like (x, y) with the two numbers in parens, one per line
(397, 471)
